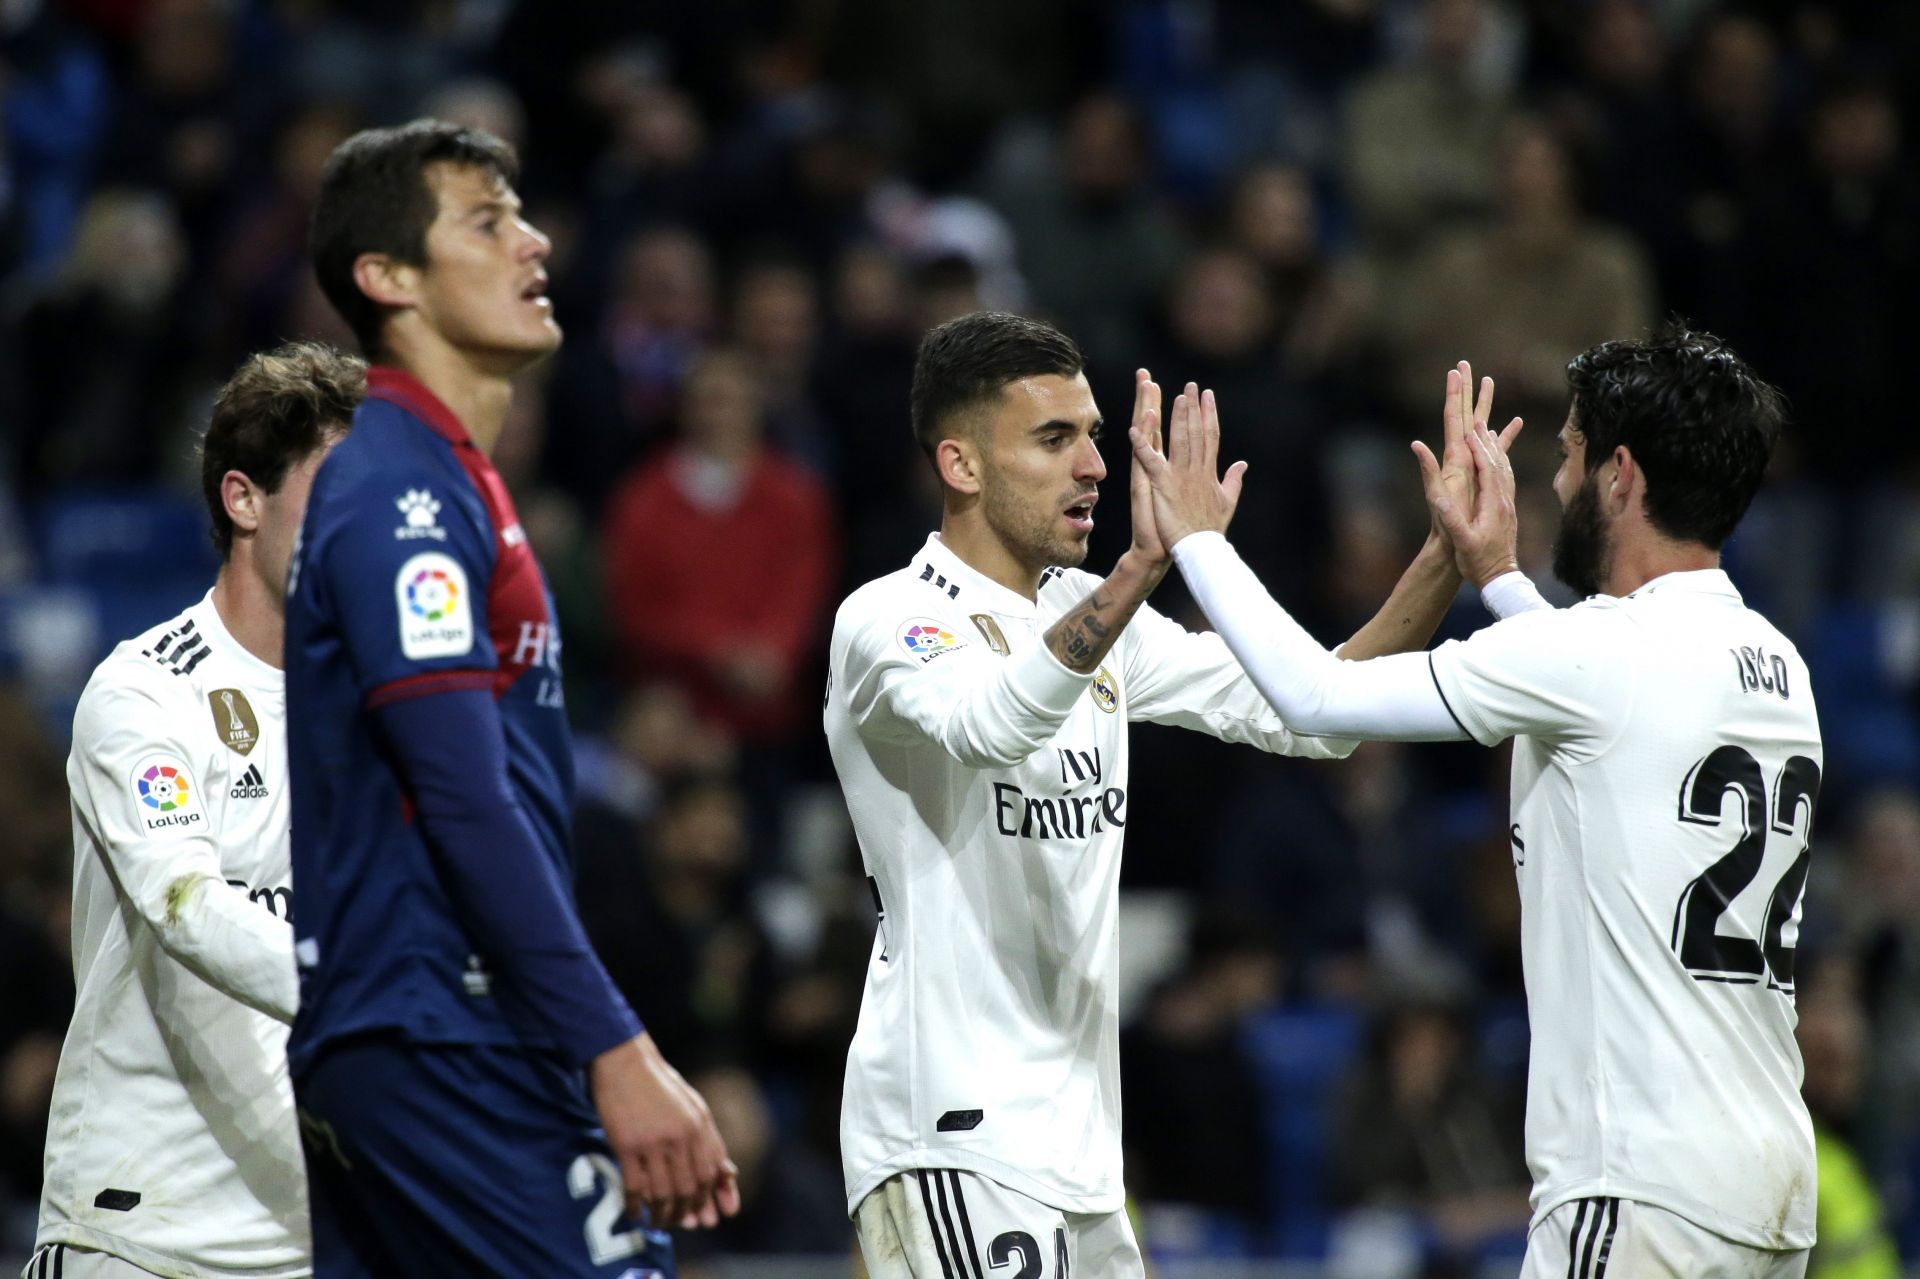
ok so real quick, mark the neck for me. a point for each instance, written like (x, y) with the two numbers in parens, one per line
(478, 396)
(966, 533)
(250, 612)
(1638, 561)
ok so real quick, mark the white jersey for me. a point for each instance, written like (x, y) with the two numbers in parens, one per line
(988, 788)
(172, 1141)
(1666, 766)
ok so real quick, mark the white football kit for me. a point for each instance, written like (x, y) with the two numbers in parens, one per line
(172, 1141)
(1666, 767)
(988, 789)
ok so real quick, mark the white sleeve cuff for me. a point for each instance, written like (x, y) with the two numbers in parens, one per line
(1512, 593)
(1045, 683)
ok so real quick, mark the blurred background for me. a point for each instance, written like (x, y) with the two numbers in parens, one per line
(757, 206)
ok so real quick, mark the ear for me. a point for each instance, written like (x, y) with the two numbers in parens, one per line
(242, 498)
(386, 280)
(959, 464)
(1627, 477)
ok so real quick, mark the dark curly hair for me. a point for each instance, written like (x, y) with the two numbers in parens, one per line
(1699, 423)
(375, 198)
(966, 361)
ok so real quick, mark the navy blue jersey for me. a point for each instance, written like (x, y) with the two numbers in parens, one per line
(412, 577)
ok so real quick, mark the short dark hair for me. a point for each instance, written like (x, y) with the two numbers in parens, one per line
(1699, 423)
(375, 198)
(966, 361)
(271, 415)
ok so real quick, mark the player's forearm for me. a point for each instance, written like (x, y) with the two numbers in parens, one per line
(234, 945)
(510, 898)
(1386, 699)
(1413, 611)
(1088, 631)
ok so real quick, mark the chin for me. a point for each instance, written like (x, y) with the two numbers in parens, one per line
(1070, 554)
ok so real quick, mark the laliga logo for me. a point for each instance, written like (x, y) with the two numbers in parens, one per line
(164, 788)
(432, 594)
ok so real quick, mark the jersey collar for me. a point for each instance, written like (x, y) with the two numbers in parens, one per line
(966, 584)
(1697, 581)
(401, 388)
(262, 674)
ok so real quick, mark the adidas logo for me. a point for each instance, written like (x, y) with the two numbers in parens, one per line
(249, 785)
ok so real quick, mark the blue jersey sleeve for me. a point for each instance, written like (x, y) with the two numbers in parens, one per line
(402, 562)
(521, 917)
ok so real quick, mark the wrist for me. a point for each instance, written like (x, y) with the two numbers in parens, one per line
(1436, 558)
(1137, 573)
(1486, 571)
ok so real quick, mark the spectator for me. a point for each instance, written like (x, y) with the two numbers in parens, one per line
(776, 322)
(1849, 1219)
(1834, 254)
(1185, 1053)
(672, 920)
(1422, 140)
(109, 349)
(1095, 246)
(1220, 331)
(1540, 282)
(719, 556)
(614, 397)
(1419, 1131)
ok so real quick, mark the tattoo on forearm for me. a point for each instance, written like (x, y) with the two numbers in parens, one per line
(1082, 637)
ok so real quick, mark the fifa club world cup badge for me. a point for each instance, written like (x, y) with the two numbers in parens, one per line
(234, 720)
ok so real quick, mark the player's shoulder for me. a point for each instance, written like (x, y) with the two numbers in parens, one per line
(402, 479)
(884, 596)
(897, 602)
(152, 674)
(387, 449)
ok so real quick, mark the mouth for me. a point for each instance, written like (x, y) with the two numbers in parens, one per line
(1080, 514)
(536, 292)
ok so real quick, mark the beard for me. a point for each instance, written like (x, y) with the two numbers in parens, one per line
(1583, 553)
(1030, 532)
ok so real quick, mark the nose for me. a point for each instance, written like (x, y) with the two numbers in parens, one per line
(537, 247)
(1088, 464)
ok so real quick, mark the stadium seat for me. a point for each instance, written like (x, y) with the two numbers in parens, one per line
(1300, 1054)
(141, 554)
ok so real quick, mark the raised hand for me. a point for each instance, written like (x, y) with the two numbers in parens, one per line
(1470, 488)
(1147, 542)
(1189, 494)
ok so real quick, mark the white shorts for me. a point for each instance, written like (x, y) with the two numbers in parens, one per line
(64, 1261)
(1594, 1238)
(942, 1224)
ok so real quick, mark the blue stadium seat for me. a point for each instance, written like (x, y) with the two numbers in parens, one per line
(141, 554)
(1300, 1054)
(1865, 713)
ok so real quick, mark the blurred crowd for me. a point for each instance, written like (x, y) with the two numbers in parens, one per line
(757, 206)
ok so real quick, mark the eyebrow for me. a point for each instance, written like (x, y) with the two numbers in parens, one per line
(1061, 424)
(494, 204)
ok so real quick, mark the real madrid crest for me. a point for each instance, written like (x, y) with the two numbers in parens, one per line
(1106, 693)
(234, 720)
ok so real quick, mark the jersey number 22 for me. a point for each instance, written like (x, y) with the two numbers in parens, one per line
(1704, 951)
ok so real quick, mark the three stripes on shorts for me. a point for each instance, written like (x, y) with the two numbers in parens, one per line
(1591, 1240)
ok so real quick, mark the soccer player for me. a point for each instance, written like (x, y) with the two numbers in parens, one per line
(172, 1148)
(1666, 766)
(976, 711)
(475, 1095)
